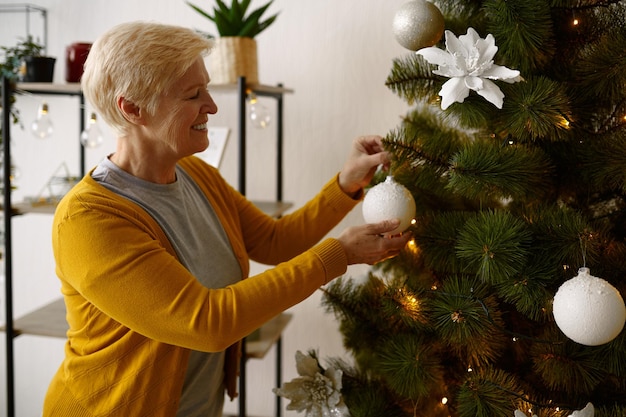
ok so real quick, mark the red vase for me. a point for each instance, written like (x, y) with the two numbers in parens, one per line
(75, 56)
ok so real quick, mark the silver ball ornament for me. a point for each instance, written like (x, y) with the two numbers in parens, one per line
(389, 200)
(418, 24)
(589, 310)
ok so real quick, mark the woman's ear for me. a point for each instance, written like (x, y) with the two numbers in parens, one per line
(130, 111)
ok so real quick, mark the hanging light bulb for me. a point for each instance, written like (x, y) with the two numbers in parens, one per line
(259, 115)
(42, 126)
(92, 137)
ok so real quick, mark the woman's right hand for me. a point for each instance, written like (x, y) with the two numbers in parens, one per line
(368, 244)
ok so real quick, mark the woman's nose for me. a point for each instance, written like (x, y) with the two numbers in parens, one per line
(211, 106)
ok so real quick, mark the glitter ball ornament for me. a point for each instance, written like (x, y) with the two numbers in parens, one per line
(389, 200)
(589, 310)
(418, 24)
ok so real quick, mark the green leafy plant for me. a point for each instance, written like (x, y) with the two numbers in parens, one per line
(233, 21)
(14, 55)
(11, 61)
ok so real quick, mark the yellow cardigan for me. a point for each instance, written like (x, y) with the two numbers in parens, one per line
(134, 311)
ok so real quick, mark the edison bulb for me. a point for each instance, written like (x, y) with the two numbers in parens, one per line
(259, 115)
(42, 127)
(91, 137)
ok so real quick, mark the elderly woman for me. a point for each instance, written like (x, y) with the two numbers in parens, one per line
(152, 247)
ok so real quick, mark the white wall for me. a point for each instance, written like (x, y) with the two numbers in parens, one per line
(335, 54)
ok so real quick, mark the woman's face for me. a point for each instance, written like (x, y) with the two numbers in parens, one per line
(179, 125)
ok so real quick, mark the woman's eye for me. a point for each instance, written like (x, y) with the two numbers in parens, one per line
(199, 92)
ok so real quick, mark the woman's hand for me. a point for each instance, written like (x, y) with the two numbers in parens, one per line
(367, 244)
(366, 155)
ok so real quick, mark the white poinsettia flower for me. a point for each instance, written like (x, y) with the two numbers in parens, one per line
(588, 411)
(468, 62)
(316, 391)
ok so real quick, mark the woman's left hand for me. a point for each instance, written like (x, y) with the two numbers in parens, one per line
(366, 155)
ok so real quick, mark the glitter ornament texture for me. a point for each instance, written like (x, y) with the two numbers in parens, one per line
(418, 24)
(589, 310)
(389, 200)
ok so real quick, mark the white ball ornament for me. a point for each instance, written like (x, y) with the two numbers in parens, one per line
(389, 200)
(418, 24)
(589, 310)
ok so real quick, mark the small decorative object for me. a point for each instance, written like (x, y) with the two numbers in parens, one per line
(55, 188)
(235, 53)
(75, 57)
(468, 62)
(42, 127)
(92, 137)
(389, 200)
(418, 24)
(589, 310)
(316, 391)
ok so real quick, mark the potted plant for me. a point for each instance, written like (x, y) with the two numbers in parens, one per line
(235, 52)
(10, 68)
(26, 62)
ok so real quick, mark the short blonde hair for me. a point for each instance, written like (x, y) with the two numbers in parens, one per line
(138, 61)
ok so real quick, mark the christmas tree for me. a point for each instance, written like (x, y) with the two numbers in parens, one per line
(516, 159)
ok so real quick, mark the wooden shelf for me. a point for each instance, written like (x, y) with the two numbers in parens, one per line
(49, 321)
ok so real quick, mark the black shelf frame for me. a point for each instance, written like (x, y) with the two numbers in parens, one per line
(8, 90)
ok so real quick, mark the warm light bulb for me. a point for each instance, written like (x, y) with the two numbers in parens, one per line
(92, 137)
(42, 126)
(259, 115)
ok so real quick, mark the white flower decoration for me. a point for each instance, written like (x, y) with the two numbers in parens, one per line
(468, 61)
(588, 411)
(519, 413)
(317, 391)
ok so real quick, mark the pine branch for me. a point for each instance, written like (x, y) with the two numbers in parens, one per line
(366, 395)
(523, 31)
(410, 365)
(483, 394)
(537, 109)
(486, 169)
(495, 245)
(463, 324)
(412, 79)
(567, 367)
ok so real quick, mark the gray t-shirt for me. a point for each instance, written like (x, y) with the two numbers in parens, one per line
(190, 223)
